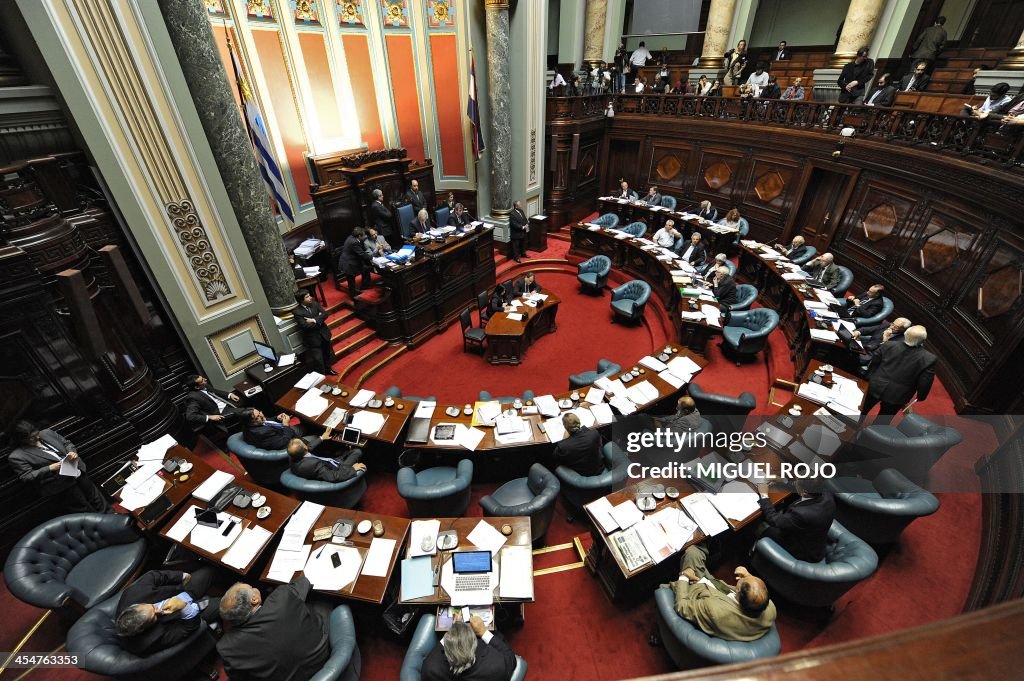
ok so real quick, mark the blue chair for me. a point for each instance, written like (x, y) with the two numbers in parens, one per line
(635, 229)
(742, 234)
(808, 255)
(440, 492)
(878, 510)
(532, 496)
(582, 489)
(593, 273)
(441, 216)
(406, 214)
(94, 640)
(845, 282)
(608, 221)
(912, 447)
(485, 396)
(887, 309)
(264, 466)
(848, 560)
(690, 647)
(746, 333)
(395, 391)
(344, 494)
(83, 558)
(747, 295)
(344, 662)
(629, 300)
(424, 640)
(728, 263)
(727, 413)
(668, 202)
(605, 368)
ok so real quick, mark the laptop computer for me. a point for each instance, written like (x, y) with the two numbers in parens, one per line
(846, 336)
(472, 570)
(419, 431)
(776, 437)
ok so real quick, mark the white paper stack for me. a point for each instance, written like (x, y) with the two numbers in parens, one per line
(642, 393)
(516, 579)
(712, 314)
(736, 500)
(654, 539)
(626, 514)
(425, 409)
(378, 558)
(212, 486)
(311, 404)
(677, 526)
(547, 405)
(134, 498)
(245, 548)
(156, 450)
(585, 416)
(369, 422)
(361, 399)
(815, 392)
(704, 514)
(336, 417)
(213, 539)
(594, 396)
(623, 404)
(137, 479)
(601, 509)
(602, 413)
(554, 429)
(486, 538)
(286, 563)
(309, 380)
(653, 363)
(184, 525)
(299, 525)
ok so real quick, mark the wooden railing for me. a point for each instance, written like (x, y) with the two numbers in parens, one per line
(966, 137)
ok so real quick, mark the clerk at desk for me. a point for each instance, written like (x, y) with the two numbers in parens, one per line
(528, 284)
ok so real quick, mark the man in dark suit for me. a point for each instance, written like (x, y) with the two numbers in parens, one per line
(883, 93)
(797, 249)
(917, 80)
(421, 223)
(380, 217)
(930, 41)
(528, 284)
(873, 337)
(261, 432)
(37, 458)
(705, 211)
(162, 608)
(781, 54)
(501, 297)
(280, 639)
(468, 652)
(867, 304)
(625, 192)
(354, 260)
(581, 450)
(312, 463)
(802, 528)
(898, 371)
(823, 271)
(854, 78)
(723, 286)
(652, 197)
(205, 404)
(316, 335)
(460, 217)
(518, 226)
(415, 196)
(694, 251)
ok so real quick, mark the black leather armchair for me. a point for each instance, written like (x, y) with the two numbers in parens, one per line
(877, 511)
(912, 447)
(94, 639)
(727, 413)
(82, 558)
(532, 496)
(582, 489)
(439, 492)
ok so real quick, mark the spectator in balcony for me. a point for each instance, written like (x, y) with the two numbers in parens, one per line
(998, 101)
(771, 90)
(930, 42)
(639, 58)
(641, 85)
(758, 79)
(609, 110)
(969, 88)
(854, 78)
(621, 66)
(681, 88)
(883, 94)
(716, 89)
(917, 80)
(745, 93)
(735, 62)
(795, 91)
(557, 82)
(663, 75)
(606, 76)
(703, 87)
(782, 54)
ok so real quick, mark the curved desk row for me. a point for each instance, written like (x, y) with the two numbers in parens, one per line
(717, 239)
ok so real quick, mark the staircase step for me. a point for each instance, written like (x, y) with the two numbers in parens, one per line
(340, 333)
(344, 315)
(350, 344)
(360, 358)
(389, 354)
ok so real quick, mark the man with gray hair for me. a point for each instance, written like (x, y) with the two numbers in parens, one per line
(421, 223)
(468, 652)
(823, 270)
(720, 261)
(898, 371)
(380, 217)
(280, 639)
(723, 286)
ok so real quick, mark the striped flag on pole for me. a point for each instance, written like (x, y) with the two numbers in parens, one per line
(474, 112)
(258, 134)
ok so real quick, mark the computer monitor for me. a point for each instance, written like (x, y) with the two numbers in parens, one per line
(266, 352)
(471, 561)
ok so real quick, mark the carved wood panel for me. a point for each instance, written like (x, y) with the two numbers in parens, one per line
(667, 167)
(771, 186)
(718, 177)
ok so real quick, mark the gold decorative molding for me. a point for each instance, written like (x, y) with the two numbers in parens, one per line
(201, 257)
(496, 4)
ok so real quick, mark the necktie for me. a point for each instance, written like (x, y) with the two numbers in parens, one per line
(50, 449)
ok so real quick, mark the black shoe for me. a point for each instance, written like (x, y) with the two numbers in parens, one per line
(517, 259)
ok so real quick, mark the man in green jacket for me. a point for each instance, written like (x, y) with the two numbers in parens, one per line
(735, 613)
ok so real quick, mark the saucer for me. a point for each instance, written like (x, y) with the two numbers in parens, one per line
(263, 512)
(185, 467)
(796, 412)
(672, 492)
(364, 526)
(452, 411)
(565, 404)
(336, 391)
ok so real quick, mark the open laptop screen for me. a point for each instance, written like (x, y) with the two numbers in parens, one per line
(471, 561)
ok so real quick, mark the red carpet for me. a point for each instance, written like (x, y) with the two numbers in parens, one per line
(572, 631)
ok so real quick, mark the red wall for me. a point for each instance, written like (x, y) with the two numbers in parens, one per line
(448, 102)
(403, 87)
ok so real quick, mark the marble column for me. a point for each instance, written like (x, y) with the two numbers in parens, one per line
(858, 30)
(211, 91)
(498, 88)
(716, 35)
(593, 31)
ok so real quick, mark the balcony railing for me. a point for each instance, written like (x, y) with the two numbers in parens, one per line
(971, 138)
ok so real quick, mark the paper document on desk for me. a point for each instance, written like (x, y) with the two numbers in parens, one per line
(610, 387)
(322, 574)
(486, 413)
(815, 392)
(418, 530)
(212, 486)
(554, 429)
(514, 316)
(673, 380)
(312, 403)
(677, 526)
(623, 404)
(516, 430)
(654, 539)
(248, 545)
(547, 405)
(642, 393)
(137, 479)
(602, 413)
(369, 422)
(594, 396)
(362, 398)
(425, 409)
(468, 437)
(712, 315)
(841, 323)
(653, 363)
(213, 539)
(336, 417)
(736, 500)
(815, 305)
(585, 416)
(156, 450)
(844, 409)
(621, 235)
(299, 525)
(601, 509)
(516, 579)
(703, 512)
(626, 514)
(592, 227)
(486, 538)
(309, 380)
(682, 365)
(794, 276)
(378, 558)
(184, 525)
(630, 549)
(135, 498)
(826, 296)
(285, 564)
(692, 316)
(824, 335)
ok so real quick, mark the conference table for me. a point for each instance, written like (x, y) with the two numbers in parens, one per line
(509, 334)
(178, 486)
(395, 410)
(717, 238)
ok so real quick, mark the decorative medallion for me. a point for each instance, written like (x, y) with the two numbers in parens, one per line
(350, 13)
(215, 8)
(201, 258)
(440, 13)
(395, 13)
(880, 222)
(1001, 291)
(717, 175)
(259, 9)
(305, 12)
(942, 247)
(769, 186)
(668, 167)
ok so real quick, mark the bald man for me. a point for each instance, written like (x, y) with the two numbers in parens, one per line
(687, 416)
(740, 612)
(899, 372)
(823, 270)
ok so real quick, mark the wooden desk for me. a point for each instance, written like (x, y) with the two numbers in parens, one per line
(397, 415)
(174, 489)
(655, 218)
(508, 339)
(281, 506)
(520, 537)
(365, 588)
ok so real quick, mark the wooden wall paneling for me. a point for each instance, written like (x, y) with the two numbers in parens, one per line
(667, 166)
(718, 176)
(877, 213)
(623, 163)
